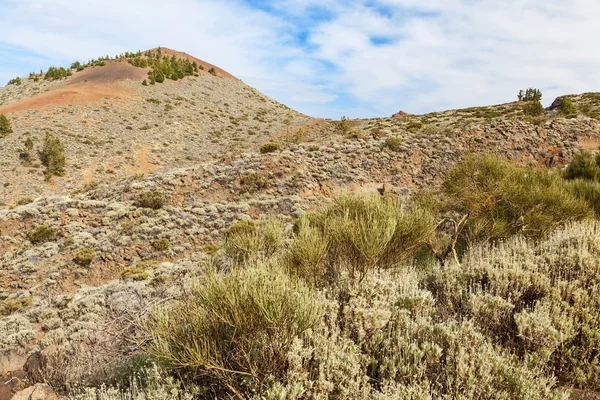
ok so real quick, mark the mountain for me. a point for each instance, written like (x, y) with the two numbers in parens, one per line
(113, 127)
(156, 173)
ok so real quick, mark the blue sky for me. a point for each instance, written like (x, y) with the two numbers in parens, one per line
(330, 58)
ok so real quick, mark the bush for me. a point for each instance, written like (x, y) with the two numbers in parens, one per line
(212, 71)
(253, 182)
(530, 95)
(5, 127)
(269, 147)
(11, 306)
(16, 81)
(52, 156)
(84, 257)
(501, 199)
(534, 109)
(393, 143)
(41, 234)
(25, 153)
(235, 329)
(54, 73)
(540, 300)
(357, 234)
(161, 244)
(585, 165)
(245, 240)
(153, 199)
(567, 108)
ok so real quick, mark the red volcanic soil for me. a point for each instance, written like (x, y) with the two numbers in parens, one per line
(97, 83)
(88, 86)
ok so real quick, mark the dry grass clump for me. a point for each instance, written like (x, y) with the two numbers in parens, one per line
(235, 329)
(357, 234)
(245, 240)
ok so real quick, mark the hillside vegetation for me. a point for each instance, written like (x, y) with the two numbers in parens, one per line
(190, 238)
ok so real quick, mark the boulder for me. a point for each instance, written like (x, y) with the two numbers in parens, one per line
(40, 391)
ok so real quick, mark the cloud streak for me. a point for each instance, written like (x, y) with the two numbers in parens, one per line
(329, 58)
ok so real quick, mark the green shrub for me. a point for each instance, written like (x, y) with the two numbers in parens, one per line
(161, 244)
(153, 199)
(41, 234)
(11, 306)
(269, 147)
(212, 71)
(344, 126)
(358, 235)
(533, 109)
(137, 272)
(24, 200)
(567, 108)
(253, 182)
(16, 81)
(393, 143)
(244, 240)
(234, 331)
(84, 257)
(54, 73)
(25, 153)
(530, 95)
(501, 199)
(52, 156)
(585, 165)
(5, 127)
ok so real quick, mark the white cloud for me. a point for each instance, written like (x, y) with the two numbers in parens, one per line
(434, 54)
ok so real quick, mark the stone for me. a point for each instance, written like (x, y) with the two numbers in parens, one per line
(40, 391)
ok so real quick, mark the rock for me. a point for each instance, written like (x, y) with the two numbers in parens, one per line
(40, 391)
(400, 114)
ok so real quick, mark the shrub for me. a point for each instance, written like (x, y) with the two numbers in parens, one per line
(359, 234)
(5, 127)
(16, 81)
(244, 240)
(501, 199)
(153, 199)
(269, 147)
(585, 165)
(235, 329)
(11, 306)
(84, 257)
(54, 73)
(161, 244)
(344, 126)
(24, 200)
(530, 95)
(136, 273)
(52, 156)
(567, 108)
(253, 182)
(540, 300)
(41, 234)
(533, 109)
(393, 143)
(25, 153)
(212, 71)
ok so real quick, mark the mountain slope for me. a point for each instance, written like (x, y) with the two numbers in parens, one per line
(112, 126)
